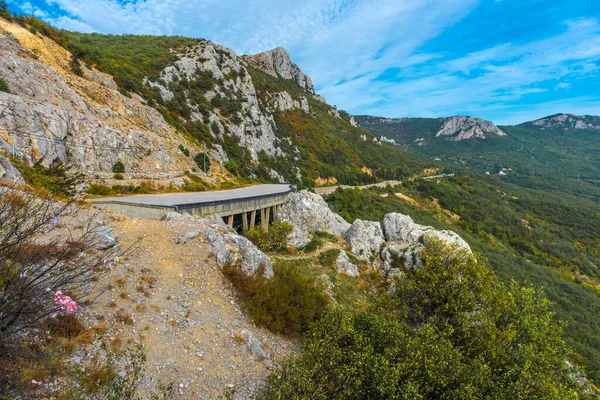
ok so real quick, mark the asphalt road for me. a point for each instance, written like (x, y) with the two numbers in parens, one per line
(177, 199)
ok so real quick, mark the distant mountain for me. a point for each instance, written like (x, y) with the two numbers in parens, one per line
(567, 121)
(420, 131)
(558, 152)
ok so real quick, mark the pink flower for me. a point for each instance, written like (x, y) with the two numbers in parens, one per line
(35, 382)
(65, 301)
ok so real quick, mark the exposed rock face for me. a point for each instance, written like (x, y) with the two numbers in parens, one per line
(297, 238)
(8, 171)
(408, 239)
(365, 238)
(344, 265)
(277, 62)
(402, 229)
(283, 101)
(462, 127)
(353, 122)
(310, 213)
(229, 248)
(567, 121)
(54, 115)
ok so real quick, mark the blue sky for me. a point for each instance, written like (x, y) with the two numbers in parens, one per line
(505, 60)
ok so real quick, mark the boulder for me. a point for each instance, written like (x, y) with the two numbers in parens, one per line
(392, 259)
(365, 238)
(8, 171)
(310, 213)
(228, 247)
(233, 249)
(344, 265)
(254, 345)
(297, 238)
(401, 228)
(105, 238)
(446, 237)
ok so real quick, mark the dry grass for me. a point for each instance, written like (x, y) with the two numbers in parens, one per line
(140, 308)
(238, 337)
(124, 317)
(123, 294)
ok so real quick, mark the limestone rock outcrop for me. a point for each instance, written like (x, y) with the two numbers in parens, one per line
(8, 171)
(310, 213)
(228, 247)
(407, 239)
(54, 115)
(277, 62)
(365, 238)
(344, 266)
(463, 127)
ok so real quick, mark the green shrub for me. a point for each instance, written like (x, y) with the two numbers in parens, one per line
(184, 150)
(4, 86)
(118, 167)
(449, 330)
(58, 179)
(118, 176)
(286, 304)
(202, 161)
(328, 257)
(100, 190)
(273, 240)
(314, 244)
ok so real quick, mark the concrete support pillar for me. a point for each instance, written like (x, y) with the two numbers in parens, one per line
(264, 219)
(252, 219)
(230, 221)
(245, 222)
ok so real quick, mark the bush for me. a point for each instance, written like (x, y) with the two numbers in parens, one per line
(118, 168)
(449, 330)
(37, 275)
(328, 257)
(4, 86)
(286, 304)
(273, 240)
(184, 150)
(100, 190)
(58, 179)
(118, 176)
(114, 375)
(202, 161)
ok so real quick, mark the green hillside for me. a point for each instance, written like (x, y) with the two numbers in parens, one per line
(540, 238)
(330, 147)
(557, 159)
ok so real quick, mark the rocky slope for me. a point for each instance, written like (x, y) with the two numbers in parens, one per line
(54, 115)
(153, 103)
(567, 121)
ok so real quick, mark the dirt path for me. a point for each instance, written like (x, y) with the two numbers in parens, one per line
(183, 312)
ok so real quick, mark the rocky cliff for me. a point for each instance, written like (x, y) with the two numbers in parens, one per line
(463, 127)
(277, 62)
(52, 114)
